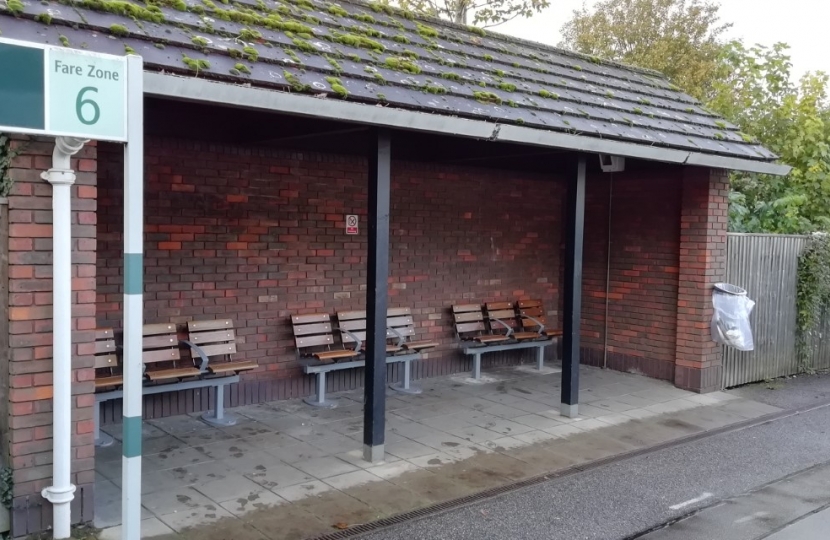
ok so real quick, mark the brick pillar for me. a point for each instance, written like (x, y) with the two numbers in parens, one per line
(28, 442)
(703, 223)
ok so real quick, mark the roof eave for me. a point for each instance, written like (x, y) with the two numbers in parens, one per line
(201, 90)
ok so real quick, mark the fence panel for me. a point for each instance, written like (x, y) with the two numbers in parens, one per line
(766, 266)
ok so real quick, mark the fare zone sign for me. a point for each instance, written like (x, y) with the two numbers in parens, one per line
(62, 92)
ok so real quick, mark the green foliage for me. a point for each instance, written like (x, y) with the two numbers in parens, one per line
(400, 38)
(196, 64)
(44, 18)
(119, 30)
(488, 57)
(334, 64)
(6, 157)
(295, 83)
(303, 45)
(754, 90)
(334, 9)
(355, 40)
(680, 38)
(15, 6)
(6, 479)
(64, 40)
(247, 34)
(812, 294)
(125, 9)
(487, 97)
(426, 31)
(129, 50)
(365, 17)
(507, 87)
(402, 64)
(337, 86)
(199, 41)
(451, 76)
(435, 89)
(251, 53)
(242, 68)
(484, 12)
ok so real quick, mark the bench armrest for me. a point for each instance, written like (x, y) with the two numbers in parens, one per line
(198, 350)
(357, 341)
(501, 322)
(401, 339)
(537, 321)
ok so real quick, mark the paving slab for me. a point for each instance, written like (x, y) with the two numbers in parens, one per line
(290, 471)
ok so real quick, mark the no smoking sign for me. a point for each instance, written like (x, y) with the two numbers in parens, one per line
(351, 224)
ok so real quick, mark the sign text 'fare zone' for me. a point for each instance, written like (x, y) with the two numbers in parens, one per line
(58, 91)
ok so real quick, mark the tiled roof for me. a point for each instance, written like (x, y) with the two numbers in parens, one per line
(374, 54)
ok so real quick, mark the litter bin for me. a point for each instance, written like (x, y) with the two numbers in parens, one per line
(730, 321)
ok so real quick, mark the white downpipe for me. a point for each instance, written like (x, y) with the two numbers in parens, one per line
(61, 492)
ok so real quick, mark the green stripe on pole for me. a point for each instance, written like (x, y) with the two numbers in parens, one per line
(132, 436)
(133, 269)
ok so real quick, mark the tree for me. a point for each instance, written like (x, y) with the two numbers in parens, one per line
(680, 38)
(484, 12)
(754, 90)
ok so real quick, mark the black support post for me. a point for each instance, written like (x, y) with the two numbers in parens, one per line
(374, 411)
(573, 292)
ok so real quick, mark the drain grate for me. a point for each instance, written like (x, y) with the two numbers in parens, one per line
(563, 473)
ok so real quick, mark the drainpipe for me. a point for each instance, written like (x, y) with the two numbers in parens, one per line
(61, 176)
(608, 272)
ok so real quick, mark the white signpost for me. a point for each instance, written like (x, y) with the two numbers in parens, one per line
(76, 96)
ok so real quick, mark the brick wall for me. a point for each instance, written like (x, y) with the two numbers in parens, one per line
(28, 442)
(705, 216)
(256, 235)
(642, 298)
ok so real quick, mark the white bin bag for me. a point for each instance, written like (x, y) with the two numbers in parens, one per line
(730, 322)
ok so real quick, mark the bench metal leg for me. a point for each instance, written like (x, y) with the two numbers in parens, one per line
(217, 416)
(477, 366)
(101, 439)
(403, 386)
(540, 358)
(320, 399)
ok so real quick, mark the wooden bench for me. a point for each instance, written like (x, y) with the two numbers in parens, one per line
(167, 370)
(321, 351)
(493, 328)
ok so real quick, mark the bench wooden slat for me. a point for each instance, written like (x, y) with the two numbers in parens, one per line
(470, 316)
(464, 308)
(496, 306)
(313, 341)
(402, 330)
(227, 367)
(157, 342)
(212, 337)
(356, 324)
(351, 315)
(105, 346)
(470, 327)
(161, 355)
(308, 329)
(218, 349)
(202, 326)
(156, 329)
(106, 361)
(526, 304)
(502, 314)
(103, 382)
(104, 333)
(312, 318)
(394, 322)
(175, 373)
(398, 312)
(330, 355)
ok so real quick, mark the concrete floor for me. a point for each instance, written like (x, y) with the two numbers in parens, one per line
(289, 471)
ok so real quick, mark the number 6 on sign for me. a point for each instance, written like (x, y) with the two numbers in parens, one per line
(79, 105)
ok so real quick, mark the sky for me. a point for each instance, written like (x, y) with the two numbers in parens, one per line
(803, 24)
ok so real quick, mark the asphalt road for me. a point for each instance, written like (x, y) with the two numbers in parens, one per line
(627, 498)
